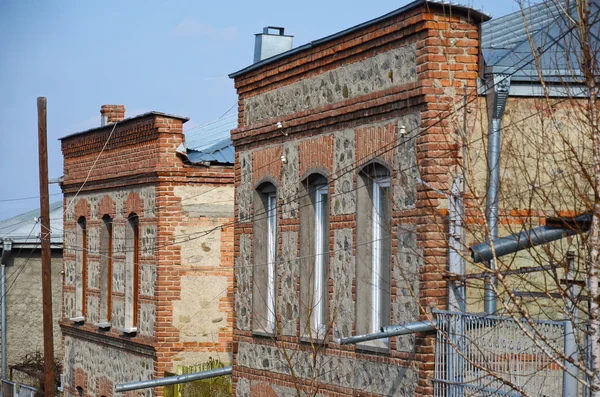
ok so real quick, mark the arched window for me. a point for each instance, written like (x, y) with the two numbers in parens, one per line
(106, 253)
(265, 258)
(132, 238)
(81, 272)
(80, 391)
(373, 251)
(314, 249)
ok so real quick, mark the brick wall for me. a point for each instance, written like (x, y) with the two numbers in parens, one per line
(181, 253)
(409, 71)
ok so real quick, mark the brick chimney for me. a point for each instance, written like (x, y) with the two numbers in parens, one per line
(111, 113)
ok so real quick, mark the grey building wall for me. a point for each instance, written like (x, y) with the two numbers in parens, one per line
(24, 303)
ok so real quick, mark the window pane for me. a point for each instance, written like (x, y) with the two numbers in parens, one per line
(272, 250)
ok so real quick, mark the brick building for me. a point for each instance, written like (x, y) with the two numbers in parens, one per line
(147, 275)
(345, 148)
(332, 139)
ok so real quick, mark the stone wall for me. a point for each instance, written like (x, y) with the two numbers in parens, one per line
(203, 312)
(89, 364)
(118, 204)
(382, 93)
(24, 328)
(185, 246)
(382, 71)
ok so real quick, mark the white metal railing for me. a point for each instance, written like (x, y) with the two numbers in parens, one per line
(472, 348)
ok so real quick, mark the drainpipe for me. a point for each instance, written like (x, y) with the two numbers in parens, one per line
(499, 86)
(389, 331)
(6, 248)
(173, 380)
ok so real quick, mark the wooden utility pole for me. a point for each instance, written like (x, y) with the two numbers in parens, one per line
(46, 259)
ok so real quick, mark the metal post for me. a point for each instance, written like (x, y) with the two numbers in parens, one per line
(173, 380)
(49, 380)
(570, 383)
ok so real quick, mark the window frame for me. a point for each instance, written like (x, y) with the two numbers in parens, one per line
(314, 258)
(132, 247)
(373, 254)
(264, 258)
(107, 269)
(271, 257)
(81, 268)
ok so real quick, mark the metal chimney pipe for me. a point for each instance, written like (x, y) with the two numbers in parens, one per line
(272, 41)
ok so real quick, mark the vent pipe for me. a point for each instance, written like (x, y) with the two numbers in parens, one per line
(272, 41)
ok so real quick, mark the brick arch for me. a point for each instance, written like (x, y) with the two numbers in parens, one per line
(105, 387)
(107, 206)
(133, 203)
(80, 379)
(82, 208)
(262, 389)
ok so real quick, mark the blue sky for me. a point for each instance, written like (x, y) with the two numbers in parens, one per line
(171, 56)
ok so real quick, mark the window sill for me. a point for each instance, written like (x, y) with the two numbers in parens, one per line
(258, 332)
(320, 339)
(103, 326)
(375, 346)
(77, 320)
(129, 331)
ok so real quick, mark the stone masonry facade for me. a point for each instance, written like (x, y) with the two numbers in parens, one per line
(183, 310)
(377, 94)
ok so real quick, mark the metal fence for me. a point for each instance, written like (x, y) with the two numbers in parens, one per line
(14, 389)
(483, 355)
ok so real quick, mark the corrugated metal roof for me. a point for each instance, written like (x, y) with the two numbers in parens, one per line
(211, 142)
(221, 152)
(22, 229)
(476, 14)
(507, 42)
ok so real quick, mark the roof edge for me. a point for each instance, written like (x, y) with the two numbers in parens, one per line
(478, 14)
(126, 120)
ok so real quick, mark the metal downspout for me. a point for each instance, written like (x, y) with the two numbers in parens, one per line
(499, 86)
(6, 248)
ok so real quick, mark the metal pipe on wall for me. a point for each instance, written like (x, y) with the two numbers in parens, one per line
(6, 248)
(173, 380)
(391, 330)
(497, 96)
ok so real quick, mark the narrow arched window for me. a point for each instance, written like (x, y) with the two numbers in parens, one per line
(265, 259)
(373, 251)
(106, 253)
(81, 274)
(132, 238)
(314, 251)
